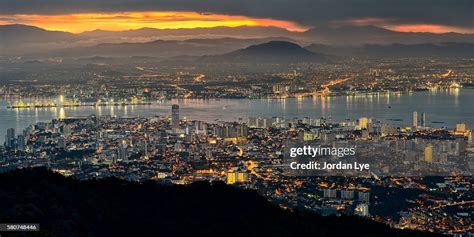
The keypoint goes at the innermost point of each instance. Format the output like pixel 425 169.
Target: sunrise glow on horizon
pixel 77 23
pixel 81 22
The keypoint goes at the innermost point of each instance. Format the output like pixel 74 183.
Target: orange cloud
pixel 134 20
pixel 428 28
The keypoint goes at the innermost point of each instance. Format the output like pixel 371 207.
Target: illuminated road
pixel 326 86
pixel 454 204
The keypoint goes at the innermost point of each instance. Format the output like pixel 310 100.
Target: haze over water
pixel 446 106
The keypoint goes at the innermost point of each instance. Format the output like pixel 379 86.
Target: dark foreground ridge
pixel 112 207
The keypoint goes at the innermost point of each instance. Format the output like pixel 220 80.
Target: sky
pixel 437 16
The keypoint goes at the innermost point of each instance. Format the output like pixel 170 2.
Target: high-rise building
pixel 429 153
pixel 11 132
pixel 315 122
pixel 307 136
pixel 363 122
pixel 231 130
pixel 461 127
pixel 362 209
pixel 10 138
pixel 260 122
pixel 329 193
pixel 242 177
pixel 145 148
pixel 347 194
pixel 252 122
pixel 66 131
pixel 61 142
pixel 237 176
pixel 363 196
pixel 231 177
pixel 21 142
pixel 175 116
pixel 278 88
pixel 415 120
pixel 423 119
pixel 122 151
pixel 242 130
pixel 200 128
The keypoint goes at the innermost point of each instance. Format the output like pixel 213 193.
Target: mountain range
pixel 165 48
pixel 180 34
pixel 30 40
pixel 360 35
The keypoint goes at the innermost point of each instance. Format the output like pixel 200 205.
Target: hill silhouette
pixel 270 52
pixel 17 33
pixel 113 207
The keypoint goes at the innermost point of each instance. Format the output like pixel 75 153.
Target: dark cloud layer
pixel 458 13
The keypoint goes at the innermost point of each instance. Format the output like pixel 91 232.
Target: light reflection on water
pixel 448 106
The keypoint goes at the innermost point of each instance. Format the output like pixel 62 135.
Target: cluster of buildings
pixel 155 83
pixel 250 154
